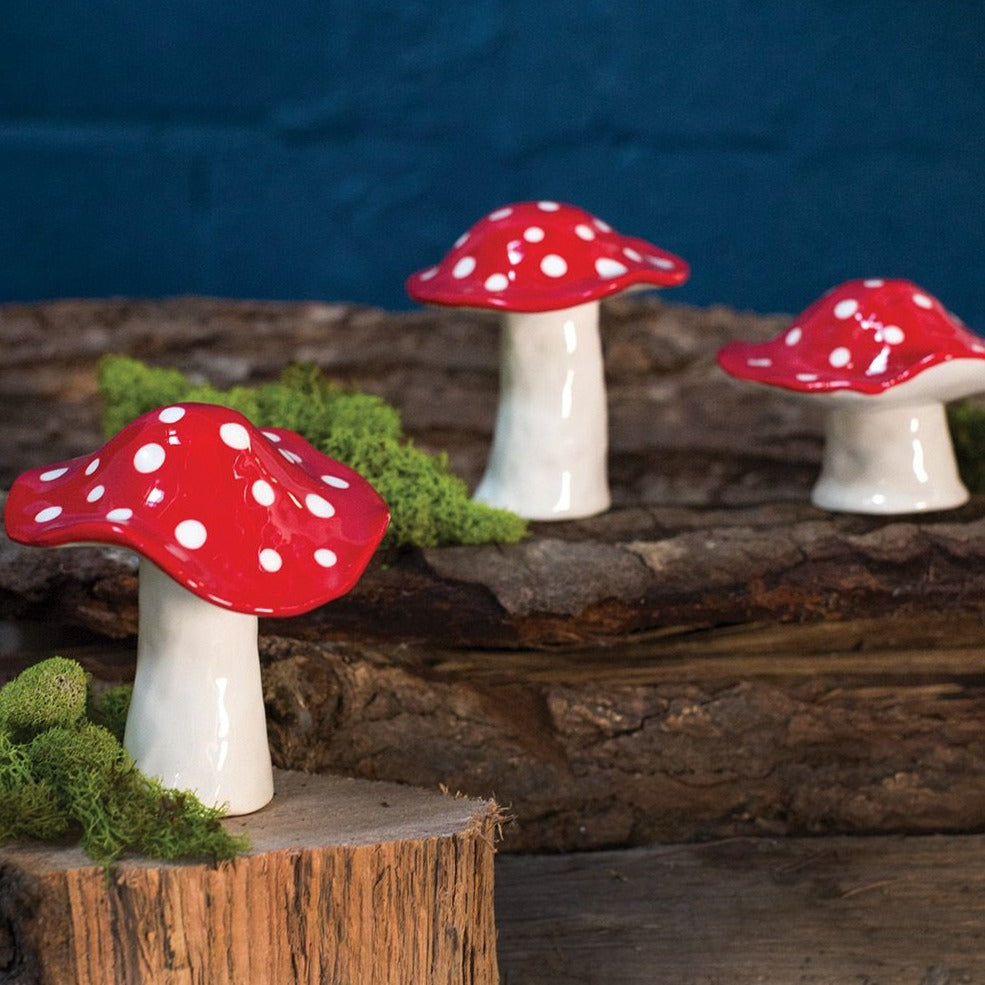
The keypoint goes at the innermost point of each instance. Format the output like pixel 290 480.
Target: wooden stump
pixel 348 882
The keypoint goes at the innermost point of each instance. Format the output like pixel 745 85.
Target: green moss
pixel 73 778
pixel 967 423
pixel 429 505
pixel 52 692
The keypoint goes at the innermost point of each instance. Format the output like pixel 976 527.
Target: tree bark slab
pixel 347 882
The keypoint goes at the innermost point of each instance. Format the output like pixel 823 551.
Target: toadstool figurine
pixel 884 356
pixel 231 523
pixel 546 266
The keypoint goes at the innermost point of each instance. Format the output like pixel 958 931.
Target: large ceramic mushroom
pixel 546 266
pixel 231 523
pixel 884 356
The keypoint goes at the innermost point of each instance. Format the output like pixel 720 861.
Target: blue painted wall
pixel 327 148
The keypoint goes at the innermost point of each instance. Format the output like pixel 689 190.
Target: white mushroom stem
pixel 549 453
pixel 888 458
pixel 197 719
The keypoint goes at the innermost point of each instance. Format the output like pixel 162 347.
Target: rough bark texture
pixel 711 658
pixel 347 882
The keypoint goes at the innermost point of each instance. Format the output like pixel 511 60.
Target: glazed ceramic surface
pixel 864 336
pixel 253 521
pixel 888 460
pixel 197 719
pixel 546 265
pixel 541 256
pixel 548 457
pixel 231 522
pixel 884 356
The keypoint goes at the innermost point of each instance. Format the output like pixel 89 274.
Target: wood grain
pixel 828 911
pixel 347 882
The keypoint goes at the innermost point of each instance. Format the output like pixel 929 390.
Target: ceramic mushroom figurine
pixel 230 523
pixel 884 356
pixel 546 266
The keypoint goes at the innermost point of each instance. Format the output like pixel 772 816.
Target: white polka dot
pixel 155 496
pixel 95 494
pixel 840 357
pixel 794 335
pixel 270 560
pixel 149 458
pixel 893 334
pixel 325 557
pixel 585 232
pixel 603 226
pixel 92 466
pixel 319 506
pixel 923 301
pixel 513 253
pixel 607 267
pixel 171 415
pixel 632 254
pixel 845 309
pixel 553 266
pixel 120 515
pixel 190 534
pixel 335 481
pixel 662 262
pixel 461 241
pixel 52 474
pixel 496 282
pixel 500 214
pixel 807 377
pixel 533 234
pixel 463 268
pixel 428 274
pixel 235 436
pixel 263 492
pixel 275 438
pixel 874 282
pixel 291 456
pixel 47 514
pixel 548 206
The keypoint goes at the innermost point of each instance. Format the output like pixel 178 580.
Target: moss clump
pixel 429 505
pixel 50 693
pixel 967 424
pixel 63 776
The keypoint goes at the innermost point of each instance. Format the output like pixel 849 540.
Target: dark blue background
pixel 327 148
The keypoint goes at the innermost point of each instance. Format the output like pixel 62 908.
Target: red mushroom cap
pixel 864 335
pixel 254 521
pixel 542 256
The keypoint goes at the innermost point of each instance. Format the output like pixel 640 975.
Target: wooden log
pixel 819 911
pixel 347 882
pixel 860 727
pixel 606 580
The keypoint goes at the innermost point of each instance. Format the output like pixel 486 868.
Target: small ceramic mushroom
pixel 884 356
pixel 231 523
pixel 546 266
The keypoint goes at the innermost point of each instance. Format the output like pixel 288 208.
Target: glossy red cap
pixel 254 521
pixel 543 256
pixel 864 335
